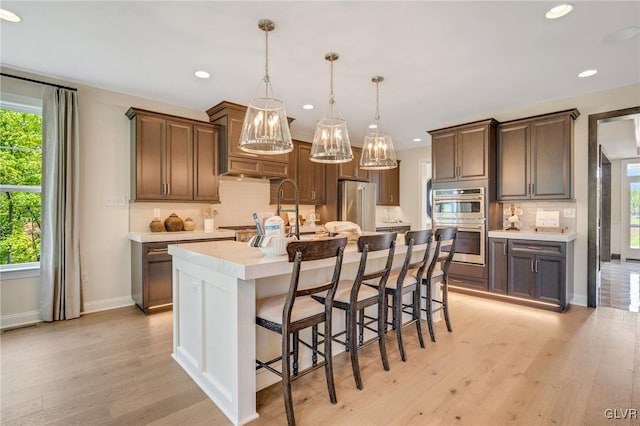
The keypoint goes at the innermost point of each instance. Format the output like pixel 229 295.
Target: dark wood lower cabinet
pixel 498 277
pixel 151 274
pixel 534 271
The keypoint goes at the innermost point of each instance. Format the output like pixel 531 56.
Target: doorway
pixel 595 181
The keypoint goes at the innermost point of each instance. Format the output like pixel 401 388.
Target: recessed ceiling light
pixel 558 11
pixel 588 73
pixel 202 74
pixel 9 16
pixel 622 35
pixel 417 140
pixel 373 126
pixel 307 106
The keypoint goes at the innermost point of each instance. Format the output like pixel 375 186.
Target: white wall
pixel 616 209
pixel 410 185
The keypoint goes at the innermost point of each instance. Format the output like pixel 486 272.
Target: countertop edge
pixel 152 237
pixel 535 236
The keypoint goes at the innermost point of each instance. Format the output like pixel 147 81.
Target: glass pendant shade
pixel 265 129
pixel 377 151
pixel 331 142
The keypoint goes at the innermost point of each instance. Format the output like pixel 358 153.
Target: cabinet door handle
pixel 168 189
pixel 158 251
pixel 531 265
pixel 391 197
pixel 536 266
pixel 504 250
pixel 282 193
pixel 535 248
pixel 533 188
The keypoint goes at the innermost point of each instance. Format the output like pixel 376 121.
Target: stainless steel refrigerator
pixel 358 203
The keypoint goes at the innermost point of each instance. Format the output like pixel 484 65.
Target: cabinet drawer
pixel 538 247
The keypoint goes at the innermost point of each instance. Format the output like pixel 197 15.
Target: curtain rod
pixel 38 81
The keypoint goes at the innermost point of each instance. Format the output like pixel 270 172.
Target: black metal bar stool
pixel 288 314
pixel 353 298
pixel 445 239
pixel 406 281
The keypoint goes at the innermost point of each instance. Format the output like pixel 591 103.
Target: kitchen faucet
pixel 297 201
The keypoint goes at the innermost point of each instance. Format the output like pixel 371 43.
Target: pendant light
pixel 331 140
pixel 377 151
pixel 265 129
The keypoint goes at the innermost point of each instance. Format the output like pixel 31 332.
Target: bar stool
pixel 288 314
pixel 445 248
pixel 406 281
pixel 353 298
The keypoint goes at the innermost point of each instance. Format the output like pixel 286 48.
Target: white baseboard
pixel 106 304
pixel 22 318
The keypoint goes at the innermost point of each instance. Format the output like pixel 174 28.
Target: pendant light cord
pixel 331 97
pixel 266 64
pixel 377 117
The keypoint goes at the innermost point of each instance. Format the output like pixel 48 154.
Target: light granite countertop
pixel 535 236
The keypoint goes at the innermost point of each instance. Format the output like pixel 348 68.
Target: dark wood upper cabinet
pixel 463 152
pixel 234 161
pixel 172 158
pixel 534 157
pixel 308 175
pixel 352 170
pixel 205 150
pixel 388 182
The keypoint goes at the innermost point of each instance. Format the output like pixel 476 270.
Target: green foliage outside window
pixel 20 164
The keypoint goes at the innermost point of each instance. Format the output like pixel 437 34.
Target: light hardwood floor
pixel 503 364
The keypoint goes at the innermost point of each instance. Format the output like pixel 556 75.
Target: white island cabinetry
pixel 215 287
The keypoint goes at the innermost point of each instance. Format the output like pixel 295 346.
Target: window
pixel 20 176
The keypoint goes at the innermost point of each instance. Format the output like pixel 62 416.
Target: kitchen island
pixel 215 287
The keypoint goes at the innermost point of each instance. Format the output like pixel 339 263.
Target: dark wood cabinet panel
pixel 443 152
pixel 179 161
pixel 513 165
pixel 205 148
pixel 463 152
pixel 163 166
pixel 352 170
pixel 388 186
pixel 534 157
pixel 234 161
pixel 551 158
pixel 550 284
pixel 473 153
pixel 308 175
pixel 147 141
pixel 498 277
pixel 522 278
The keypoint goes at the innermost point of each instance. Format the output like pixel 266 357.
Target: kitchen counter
pixel 155 237
pixel 535 236
pixel 215 339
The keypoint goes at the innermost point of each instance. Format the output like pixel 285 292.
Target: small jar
pixel 189 224
pixel 156 225
pixel 173 223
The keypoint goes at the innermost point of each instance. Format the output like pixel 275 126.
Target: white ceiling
pixel 620 138
pixel 444 63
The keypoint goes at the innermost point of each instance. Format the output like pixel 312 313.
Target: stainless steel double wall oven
pixel 465 209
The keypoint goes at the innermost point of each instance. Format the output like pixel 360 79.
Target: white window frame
pixel 27 269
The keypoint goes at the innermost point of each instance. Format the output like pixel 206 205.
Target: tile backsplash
pixel 240 198
pixel 566 209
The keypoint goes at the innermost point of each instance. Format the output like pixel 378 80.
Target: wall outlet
pixel 114 201
pixel 570 212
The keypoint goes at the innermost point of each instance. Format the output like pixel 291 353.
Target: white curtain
pixel 59 240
